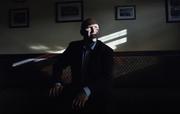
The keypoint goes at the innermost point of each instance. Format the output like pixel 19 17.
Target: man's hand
pixel 56 90
pixel 79 101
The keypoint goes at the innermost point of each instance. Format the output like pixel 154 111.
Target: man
pixel 91 64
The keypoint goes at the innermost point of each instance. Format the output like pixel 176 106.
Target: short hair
pixel 85 23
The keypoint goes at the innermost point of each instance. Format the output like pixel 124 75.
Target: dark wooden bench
pixel 142 82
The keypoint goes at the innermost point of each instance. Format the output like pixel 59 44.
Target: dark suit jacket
pixel 99 74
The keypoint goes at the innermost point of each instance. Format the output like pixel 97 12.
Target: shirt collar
pixel 92 45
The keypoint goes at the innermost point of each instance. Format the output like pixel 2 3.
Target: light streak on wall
pixel 111 40
pixel 39 47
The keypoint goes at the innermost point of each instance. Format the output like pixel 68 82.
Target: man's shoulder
pixel 104 46
pixel 76 42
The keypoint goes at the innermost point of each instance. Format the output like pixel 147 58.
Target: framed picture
pixel 125 12
pixel 172 10
pixel 70 11
pixel 19 18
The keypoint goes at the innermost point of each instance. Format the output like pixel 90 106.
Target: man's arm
pixel 62 62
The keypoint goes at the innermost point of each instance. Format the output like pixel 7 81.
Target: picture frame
pixel 172 11
pixel 69 11
pixel 19 18
pixel 125 12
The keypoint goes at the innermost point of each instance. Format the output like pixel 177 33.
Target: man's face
pixel 92 31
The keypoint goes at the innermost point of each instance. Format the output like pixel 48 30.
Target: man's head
pixel 89 29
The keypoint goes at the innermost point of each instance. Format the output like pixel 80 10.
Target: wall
pixel 148 32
